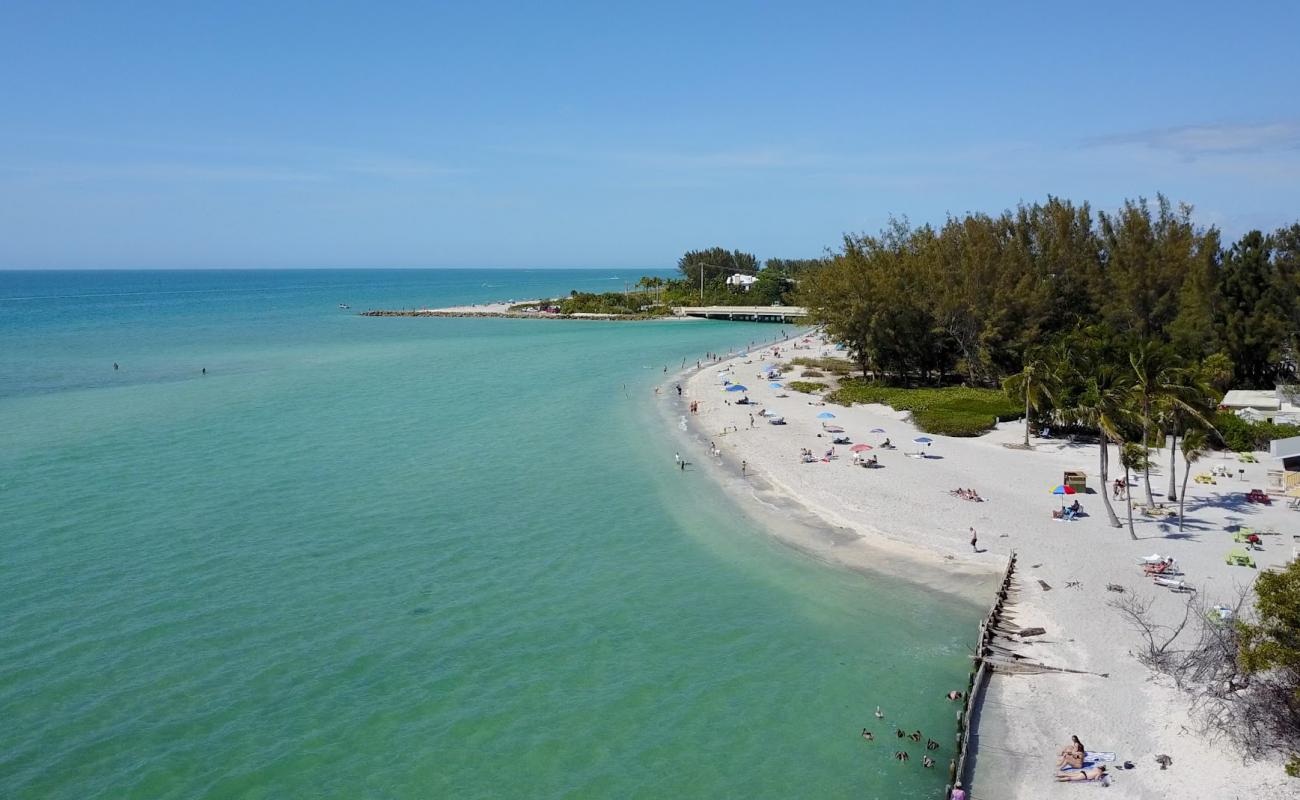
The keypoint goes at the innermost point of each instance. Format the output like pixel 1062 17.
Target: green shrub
pixel 808 387
pixel 812 373
pixel 949 411
pixel 1239 435
pixel 835 366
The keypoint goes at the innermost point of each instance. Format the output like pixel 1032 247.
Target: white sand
pixel 904 513
pixel 481 308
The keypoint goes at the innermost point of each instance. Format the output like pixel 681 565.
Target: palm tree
pixel 1195 445
pixel 1035 383
pixel 1134 457
pixel 1189 403
pixel 1104 405
pixel 1152 370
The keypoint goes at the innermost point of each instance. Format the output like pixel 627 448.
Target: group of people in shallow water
pixel 915 736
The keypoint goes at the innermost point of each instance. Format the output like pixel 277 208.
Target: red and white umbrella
pixel 860 448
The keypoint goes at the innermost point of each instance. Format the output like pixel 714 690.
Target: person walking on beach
pixel 973 540
pixel 679 390
pixel 744 466
pixel 751 420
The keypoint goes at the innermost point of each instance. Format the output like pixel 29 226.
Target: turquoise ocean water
pixel 411 558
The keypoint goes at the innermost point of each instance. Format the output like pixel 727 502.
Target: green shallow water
pixel 411 558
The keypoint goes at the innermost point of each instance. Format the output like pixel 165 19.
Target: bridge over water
pixel 788 314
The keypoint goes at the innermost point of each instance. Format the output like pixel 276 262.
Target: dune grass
pixel 948 411
pixel 807 387
pixel 835 366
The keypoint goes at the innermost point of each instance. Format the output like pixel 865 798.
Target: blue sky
pixel 330 134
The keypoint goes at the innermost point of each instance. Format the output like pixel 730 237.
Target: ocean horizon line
pixel 327 269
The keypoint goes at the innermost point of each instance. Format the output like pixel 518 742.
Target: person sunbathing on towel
pixel 1072 755
pixel 1158 568
pixel 1091 774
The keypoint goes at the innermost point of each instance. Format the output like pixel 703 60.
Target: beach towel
pixel 1091 759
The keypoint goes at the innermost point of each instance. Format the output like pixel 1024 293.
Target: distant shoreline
pixel 502 310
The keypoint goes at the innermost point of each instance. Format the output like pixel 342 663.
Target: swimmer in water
pixel 866 734
pixel 879 714
pixel 916 736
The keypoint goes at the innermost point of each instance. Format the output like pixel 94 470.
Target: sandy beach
pixel 902 518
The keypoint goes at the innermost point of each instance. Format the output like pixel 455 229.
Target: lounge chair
pixel 1239 558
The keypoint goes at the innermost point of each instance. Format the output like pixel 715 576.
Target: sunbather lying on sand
pixel 1091 774
pixel 1160 567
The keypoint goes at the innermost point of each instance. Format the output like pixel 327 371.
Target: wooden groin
pixel 979 675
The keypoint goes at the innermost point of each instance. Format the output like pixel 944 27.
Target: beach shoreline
pixel 816 531
pixel 901 520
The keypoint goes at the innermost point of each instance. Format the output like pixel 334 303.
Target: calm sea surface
pixel 410 558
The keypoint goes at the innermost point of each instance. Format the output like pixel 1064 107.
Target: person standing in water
pixel 114 365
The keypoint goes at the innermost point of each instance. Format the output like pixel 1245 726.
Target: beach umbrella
pixel 1063 490
pixel 860 448
pixel 736 387
pixel 877 430
pixel 826 415
pixel 923 440
pixel 775 385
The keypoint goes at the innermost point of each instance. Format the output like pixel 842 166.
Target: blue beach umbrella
pixel 826 415
pixel 923 440
pixel 736 387
pixel 877 430
pixel 1063 490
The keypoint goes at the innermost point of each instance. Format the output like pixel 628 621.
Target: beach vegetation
pixel 948 411
pixel 807 387
pixel 1035 383
pixel 974 296
pixel 1231 432
pixel 812 373
pixel 835 366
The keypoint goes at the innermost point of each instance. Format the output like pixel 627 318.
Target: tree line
pixel 970 298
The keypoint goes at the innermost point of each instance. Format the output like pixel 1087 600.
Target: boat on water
pixel 344 305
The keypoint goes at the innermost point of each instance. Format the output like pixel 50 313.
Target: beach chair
pixel 1248 538
pixel 1239 558
pixel 1258 496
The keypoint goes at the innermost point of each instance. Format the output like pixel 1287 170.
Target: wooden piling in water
pixel 958 770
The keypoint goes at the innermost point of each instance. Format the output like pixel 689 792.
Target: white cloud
pixel 1190 141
